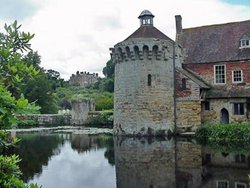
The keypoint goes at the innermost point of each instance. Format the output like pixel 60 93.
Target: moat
pixel 87 161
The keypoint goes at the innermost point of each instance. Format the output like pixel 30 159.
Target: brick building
pixel 163 85
pixel 219 55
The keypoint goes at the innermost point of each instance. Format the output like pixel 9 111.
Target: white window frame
pixel 240 183
pixel 241 72
pixel 243 43
pixel 225 74
pixel 225 181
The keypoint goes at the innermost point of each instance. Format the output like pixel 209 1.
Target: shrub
pixel 224 134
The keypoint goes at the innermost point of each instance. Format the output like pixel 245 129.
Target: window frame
pixel 238 113
pixel 244 43
pixel 233 76
pixel 240 183
pixel 224 181
pixel 225 74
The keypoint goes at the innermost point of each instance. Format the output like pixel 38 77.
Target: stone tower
pixel 144 85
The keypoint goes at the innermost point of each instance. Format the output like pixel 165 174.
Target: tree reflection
pixel 35 151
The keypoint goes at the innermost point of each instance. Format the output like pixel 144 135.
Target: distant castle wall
pixel 84 79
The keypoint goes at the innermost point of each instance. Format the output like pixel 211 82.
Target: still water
pixel 85 161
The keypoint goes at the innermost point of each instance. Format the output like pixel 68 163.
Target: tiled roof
pixel 148 31
pixel 215 43
pixel 232 93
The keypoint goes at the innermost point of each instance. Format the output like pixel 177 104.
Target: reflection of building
pixel 225 170
pixel 202 77
pixel 148 162
pixel 84 79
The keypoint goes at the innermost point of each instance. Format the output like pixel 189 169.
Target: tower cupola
pixel 146 18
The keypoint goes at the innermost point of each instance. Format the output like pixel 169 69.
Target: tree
pixel 39 90
pixel 33 58
pixel 13 71
pixel 109 69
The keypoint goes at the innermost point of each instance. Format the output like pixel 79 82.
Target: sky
pixel 75 35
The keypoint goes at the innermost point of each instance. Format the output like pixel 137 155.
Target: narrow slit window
pixel 149 80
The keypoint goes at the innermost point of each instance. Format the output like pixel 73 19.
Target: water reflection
pixel 76 161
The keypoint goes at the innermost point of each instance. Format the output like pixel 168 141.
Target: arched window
pixel 155 51
pixel 120 53
pixel 149 80
pixel 145 52
pixel 128 52
pixel 136 50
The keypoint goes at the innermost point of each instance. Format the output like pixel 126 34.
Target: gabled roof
pixel 148 31
pixel 194 78
pixel 215 43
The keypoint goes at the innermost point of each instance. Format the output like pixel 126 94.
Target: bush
pixel 103 119
pixel 224 134
pixel 10 173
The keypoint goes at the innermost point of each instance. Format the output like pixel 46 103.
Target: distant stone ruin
pixel 83 79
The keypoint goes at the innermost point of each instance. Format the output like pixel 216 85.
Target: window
pixel 205 105
pixel 183 83
pixel 244 43
pixel 222 184
pixel 239 109
pixel 220 74
pixel 237 76
pixel 149 80
pixel 240 185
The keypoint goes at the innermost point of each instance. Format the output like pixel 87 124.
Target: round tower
pixel 144 86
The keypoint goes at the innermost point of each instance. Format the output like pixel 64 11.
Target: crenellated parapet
pixel 142 49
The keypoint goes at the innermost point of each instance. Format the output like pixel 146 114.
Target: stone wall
pixel 84 79
pixel 213 115
pixel 141 107
pixel 188 105
pixel 188 115
pixel 48 119
pixel 80 111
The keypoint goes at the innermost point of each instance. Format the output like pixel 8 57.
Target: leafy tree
pixel 39 90
pixel 33 58
pixel 109 69
pixel 13 70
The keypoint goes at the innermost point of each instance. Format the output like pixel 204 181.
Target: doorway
pixel 224 116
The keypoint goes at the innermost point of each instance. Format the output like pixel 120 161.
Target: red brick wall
pixel 206 72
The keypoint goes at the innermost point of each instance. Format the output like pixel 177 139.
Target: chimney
pixel 178 22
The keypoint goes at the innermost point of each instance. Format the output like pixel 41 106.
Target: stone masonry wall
pixel 140 108
pixel 214 114
pixel 188 105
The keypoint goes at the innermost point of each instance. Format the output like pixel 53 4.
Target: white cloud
pixel 76 35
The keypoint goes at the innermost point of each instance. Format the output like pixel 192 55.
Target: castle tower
pixel 144 86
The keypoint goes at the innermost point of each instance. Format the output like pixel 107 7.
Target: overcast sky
pixel 73 35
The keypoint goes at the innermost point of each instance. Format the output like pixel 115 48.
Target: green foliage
pixel 9 107
pixel 102 100
pixel 40 91
pixel 10 173
pixel 237 135
pixel 109 69
pixel 103 119
pixel 13 70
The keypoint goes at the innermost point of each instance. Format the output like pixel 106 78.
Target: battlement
pixel 84 79
pixel 142 50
